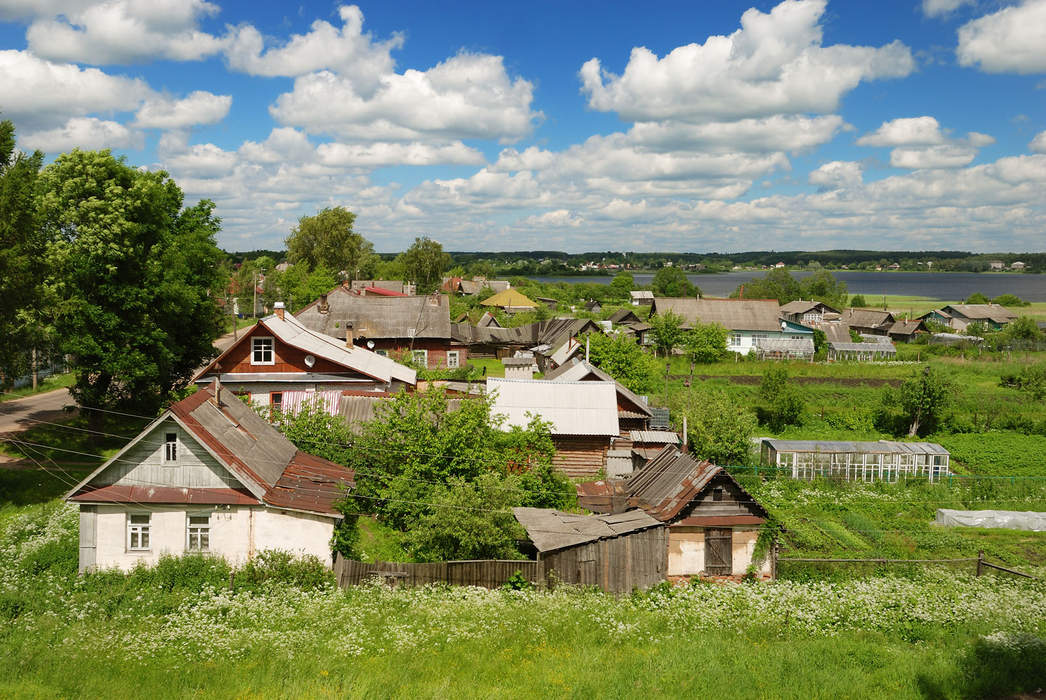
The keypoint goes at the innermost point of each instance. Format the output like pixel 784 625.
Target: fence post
pixel 980 562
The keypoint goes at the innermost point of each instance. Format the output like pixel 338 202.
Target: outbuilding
pixel 883 460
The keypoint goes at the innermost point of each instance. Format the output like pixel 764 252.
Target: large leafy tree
pixel 328 240
pixel 667 331
pixel 424 263
pixel 134 278
pixel 621 358
pixel 21 250
pixel 705 343
pixel 719 428
pixel 672 282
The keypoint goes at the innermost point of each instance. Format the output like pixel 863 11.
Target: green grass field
pixel 57 381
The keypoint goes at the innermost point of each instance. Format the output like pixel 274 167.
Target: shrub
pixel 1004 663
pixel 782 401
pixel 280 567
pixel 705 343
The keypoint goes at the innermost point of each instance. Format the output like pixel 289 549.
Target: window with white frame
pixel 198 533
pixel 734 339
pixel 453 358
pixel 170 448
pixel 421 358
pixel 138 526
pixel 262 351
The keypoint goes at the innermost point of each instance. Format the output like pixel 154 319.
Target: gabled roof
pixel 550 530
pixel 553 332
pixel 732 314
pixel 573 408
pixel 623 316
pixel 509 298
pixel 475 286
pixel 488 320
pixel 801 307
pixel 671 481
pixel 907 327
pixel 376 317
pixel 868 318
pixel 292 332
pixel 843 446
pixel 266 463
pixel 580 370
pixel 641 294
pixel 379 291
pixel 982 312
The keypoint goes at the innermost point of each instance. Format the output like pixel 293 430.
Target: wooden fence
pixel 979 560
pixel 488 573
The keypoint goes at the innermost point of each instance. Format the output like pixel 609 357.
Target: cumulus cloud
pixel 792 134
pixel 940 8
pixel 47 94
pixel 199 107
pixel 283 145
pixel 836 175
pixel 465 96
pixel 376 155
pixel 1038 144
pixel 348 52
pixel 1008 41
pixel 554 219
pixel 87 133
pixel 774 64
pixel 919 142
pixel 123 31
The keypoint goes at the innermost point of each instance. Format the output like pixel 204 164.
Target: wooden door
pixel 718 551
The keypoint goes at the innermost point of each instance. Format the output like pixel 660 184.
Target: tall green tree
pixel 667 332
pixel 328 240
pixel 672 282
pixel 782 401
pixel 424 263
pixel 823 286
pixel 21 251
pixel 777 284
pixel 719 428
pixel 923 399
pixel 705 343
pixel 621 358
pixel 135 279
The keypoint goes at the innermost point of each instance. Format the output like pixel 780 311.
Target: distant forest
pixel 552 262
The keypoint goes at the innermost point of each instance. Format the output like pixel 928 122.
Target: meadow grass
pixel 55 381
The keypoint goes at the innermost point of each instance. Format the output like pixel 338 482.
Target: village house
pixel 806 312
pixel 623 317
pixel 641 297
pixel 281 363
pixel 510 301
pixel 713 523
pixel 633 413
pixel 208 476
pixel 552 342
pixel 906 330
pixel 959 316
pixel 750 322
pixel 417 325
pixel 396 287
pixel 583 417
pixel 871 321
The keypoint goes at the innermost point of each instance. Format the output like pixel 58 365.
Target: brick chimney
pixel 348 335
pixel 279 309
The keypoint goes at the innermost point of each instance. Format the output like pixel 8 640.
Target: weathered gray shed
pixel 618 553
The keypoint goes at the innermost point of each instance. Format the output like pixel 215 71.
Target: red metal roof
pixel 378 291
pixel 311 483
pixel 116 493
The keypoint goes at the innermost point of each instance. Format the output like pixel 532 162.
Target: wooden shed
pixel 619 553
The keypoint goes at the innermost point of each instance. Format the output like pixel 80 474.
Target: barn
pixel 619 552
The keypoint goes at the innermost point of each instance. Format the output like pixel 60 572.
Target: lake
pixel 948 286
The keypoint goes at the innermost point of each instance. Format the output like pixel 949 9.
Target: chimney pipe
pixel 279 309
pixel 348 335
pixel 217 393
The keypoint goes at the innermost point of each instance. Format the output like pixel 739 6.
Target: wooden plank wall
pixel 580 456
pixel 617 565
pixel 488 573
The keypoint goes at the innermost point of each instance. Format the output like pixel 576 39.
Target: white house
pixel 209 475
pixel 750 322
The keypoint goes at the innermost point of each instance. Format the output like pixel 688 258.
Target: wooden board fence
pixel 488 573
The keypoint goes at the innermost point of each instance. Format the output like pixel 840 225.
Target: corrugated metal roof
pixel 732 314
pixel 378 317
pixel 663 437
pixel 642 294
pixel 580 370
pixel 801 306
pixel 550 530
pixel 622 316
pixel 843 446
pixel 573 408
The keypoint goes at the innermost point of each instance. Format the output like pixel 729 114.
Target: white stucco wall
pixel 236 533
pixel 748 339
pixel 686 551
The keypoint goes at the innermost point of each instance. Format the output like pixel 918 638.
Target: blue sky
pixel 675 126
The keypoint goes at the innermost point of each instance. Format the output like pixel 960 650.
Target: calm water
pixel 950 286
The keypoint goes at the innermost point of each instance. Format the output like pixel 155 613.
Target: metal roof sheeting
pixel 580 370
pixel 732 314
pixel 873 348
pixel 843 446
pixel 553 529
pixel 573 408
pixel 379 317
pixel 662 437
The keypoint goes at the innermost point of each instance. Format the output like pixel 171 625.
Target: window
pixel 262 351
pixel 383 353
pixel 138 532
pixel 276 401
pixel 717 493
pixel 453 358
pixel 170 447
pixel 198 536
pixel 421 357
pixel 735 340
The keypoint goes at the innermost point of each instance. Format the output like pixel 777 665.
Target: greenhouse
pixel 856 461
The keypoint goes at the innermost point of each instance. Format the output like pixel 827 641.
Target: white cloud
pixel 201 160
pixel 199 107
pixel 836 175
pixel 944 156
pixel 940 8
pixel 123 31
pixel 45 94
pixel 1008 41
pixel 283 145
pixel 793 134
pixel 86 133
pixel 774 64
pixel 554 219
pixel 1038 144
pixel 465 96
pixel 915 131
pixel 376 155
pixel 348 51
